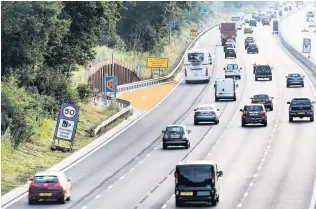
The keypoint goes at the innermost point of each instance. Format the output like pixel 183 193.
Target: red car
pixel 50 186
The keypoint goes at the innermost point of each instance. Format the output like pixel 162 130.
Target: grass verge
pixel 18 165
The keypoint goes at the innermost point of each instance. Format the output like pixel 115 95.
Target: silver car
pixel 206 113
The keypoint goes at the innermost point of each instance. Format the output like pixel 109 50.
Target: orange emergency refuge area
pixel 147 98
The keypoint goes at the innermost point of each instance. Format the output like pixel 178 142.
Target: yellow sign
pixel 194 33
pixel 194 28
pixel 153 62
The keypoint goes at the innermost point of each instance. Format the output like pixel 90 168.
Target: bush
pixel 85 92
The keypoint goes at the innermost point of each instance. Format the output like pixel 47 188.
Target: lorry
pixel 228 31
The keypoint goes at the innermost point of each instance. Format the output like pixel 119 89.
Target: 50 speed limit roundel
pixel 69 111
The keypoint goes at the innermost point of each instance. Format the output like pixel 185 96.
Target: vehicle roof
pixel 261 94
pixel 206 105
pixel 254 105
pixel 197 162
pixel 197 51
pixel 294 74
pixel 175 125
pixel 249 37
pixel 301 98
pixel 49 173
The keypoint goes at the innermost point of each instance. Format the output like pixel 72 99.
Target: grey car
pixel 294 79
pixel 254 114
pixel 176 135
pixel 206 113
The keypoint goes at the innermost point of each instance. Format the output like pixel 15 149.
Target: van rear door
pixel 225 88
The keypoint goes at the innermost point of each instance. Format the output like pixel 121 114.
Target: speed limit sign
pixel 69 111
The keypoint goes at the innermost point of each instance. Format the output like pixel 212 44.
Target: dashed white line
pixel 164 206
pixel 121 177
pixel 140 162
pixel 132 169
pixel 239 205
pixel 84 207
pixel 109 187
pixel 97 196
pixel 148 154
pixel 246 194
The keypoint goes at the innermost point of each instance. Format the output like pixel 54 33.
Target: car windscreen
pixel 254 108
pixel 301 102
pixel 205 108
pixel 253 21
pixel 252 45
pixel 263 69
pixel 235 18
pixel 261 96
pixel 232 67
pixel 46 179
pixel 195 175
pixel 195 57
pixel 294 76
pixel 175 129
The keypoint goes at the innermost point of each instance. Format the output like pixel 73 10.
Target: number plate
pixel 301 113
pixel 174 137
pixel 45 194
pixel 203 193
pixel 186 193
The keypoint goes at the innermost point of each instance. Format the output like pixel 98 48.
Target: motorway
pixel 292 27
pixel 264 167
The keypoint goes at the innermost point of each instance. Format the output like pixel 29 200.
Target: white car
pixel 311 25
pixel 232 71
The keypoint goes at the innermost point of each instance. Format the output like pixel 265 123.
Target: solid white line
pixel 132 169
pixel 110 186
pixel 313 200
pixel 97 196
pixel 84 207
pixel 121 177
pixel 164 206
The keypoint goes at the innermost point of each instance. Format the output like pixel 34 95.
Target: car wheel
pixel 207 81
pixel 265 123
pixel 179 203
pixel 187 82
pixel 31 201
pixel 164 146
pixel 287 85
pixel 187 145
pixel 217 121
pixel 234 98
pixel 217 199
pixel 270 79
pixel 196 122
pixel 243 124
pixel 213 202
pixel 216 99
pixel 225 56
pixel 235 56
pixel 303 85
pixel 62 200
pixel 271 108
pixel 247 52
pixel 290 119
pixel 312 119
pixel 256 79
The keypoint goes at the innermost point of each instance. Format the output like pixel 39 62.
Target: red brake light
pixel 185 72
pixel 206 72
pixel 176 177
pixel 32 184
pixel 213 180
pixel 213 112
pixel 60 186
pixel 262 113
pixel 269 100
pixel 253 101
pixel 312 108
pixel 244 113
pixel 165 137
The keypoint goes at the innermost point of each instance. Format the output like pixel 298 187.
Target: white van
pixel 232 71
pixel 238 21
pixel 198 65
pixel 225 88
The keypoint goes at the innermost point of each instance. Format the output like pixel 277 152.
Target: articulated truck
pixel 228 31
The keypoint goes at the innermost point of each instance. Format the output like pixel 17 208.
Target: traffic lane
pixel 292 27
pixel 292 153
pixel 105 166
pixel 148 175
pixel 231 141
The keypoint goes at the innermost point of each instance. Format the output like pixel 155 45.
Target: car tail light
pixel 253 101
pixel 213 179
pixel 206 72
pixel 262 113
pixel 244 113
pixel 59 185
pixel 185 72
pixel 165 137
pixel 312 108
pixel 176 177
pixel 269 100
pixel 212 112
pixel 32 185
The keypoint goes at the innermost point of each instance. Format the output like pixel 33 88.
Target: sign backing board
pixel 109 84
pixel 154 62
pixel 307 45
pixel 67 122
pixel 172 24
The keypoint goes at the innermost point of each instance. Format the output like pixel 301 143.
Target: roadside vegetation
pixel 47 45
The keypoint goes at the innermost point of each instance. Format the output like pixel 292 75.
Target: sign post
pixel 66 126
pixel 204 12
pixel 153 62
pixel 307 46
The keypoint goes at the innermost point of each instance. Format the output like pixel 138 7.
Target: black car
pixel 252 47
pixel 230 52
pixel 263 72
pixel 294 79
pixel 248 40
pixel 265 21
pixel 264 99
pixel 254 114
pixel 197 181
pixel 300 108
pixel 176 135
pixel 248 30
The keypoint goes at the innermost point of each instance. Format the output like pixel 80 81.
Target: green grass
pixel 18 165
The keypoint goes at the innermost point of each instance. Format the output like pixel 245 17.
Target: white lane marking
pixel 164 206
pixel 121 177
pixel 84 207
pixel 132 169
pixel 148 154
pixel 140 162
pixel 97 196
pixel 313 200
pixel 109 187
pixel 239 205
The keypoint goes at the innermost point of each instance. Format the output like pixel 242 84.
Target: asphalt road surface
pixel 292 27
pixel 269 167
